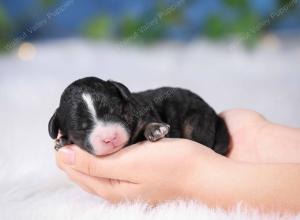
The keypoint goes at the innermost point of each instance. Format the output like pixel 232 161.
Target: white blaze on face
pixel 90 105
pixel 106 137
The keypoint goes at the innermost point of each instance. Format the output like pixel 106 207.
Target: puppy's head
pixel 95 115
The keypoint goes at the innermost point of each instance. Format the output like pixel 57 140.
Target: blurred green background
pixel 145 21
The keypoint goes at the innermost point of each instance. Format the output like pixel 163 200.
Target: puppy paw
pixel 156 131
pixel 60 142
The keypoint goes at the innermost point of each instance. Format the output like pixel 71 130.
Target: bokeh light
pixel 27 51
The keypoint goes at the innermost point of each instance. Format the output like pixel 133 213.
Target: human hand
pixel 178 168
pixel 151 172
pixel 244 127
pixel 255 139
pixel 158 171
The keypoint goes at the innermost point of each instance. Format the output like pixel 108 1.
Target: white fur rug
pixel 31 186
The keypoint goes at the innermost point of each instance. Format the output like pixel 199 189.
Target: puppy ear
pixel 123 90
pixel 53 126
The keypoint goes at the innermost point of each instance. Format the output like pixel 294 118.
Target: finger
pixel 108 189
pixel 68 171
pixel 83 187
pixel 114 166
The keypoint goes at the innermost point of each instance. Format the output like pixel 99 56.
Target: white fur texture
pixel 32 187
pixel 90 105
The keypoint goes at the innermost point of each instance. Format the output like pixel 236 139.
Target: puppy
pixel 101 117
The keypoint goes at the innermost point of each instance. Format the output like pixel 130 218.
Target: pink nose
pixel 110 140
pixel 106 139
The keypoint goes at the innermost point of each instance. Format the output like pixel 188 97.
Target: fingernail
pixel 68 155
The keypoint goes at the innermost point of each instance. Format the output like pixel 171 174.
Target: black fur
pixel 153 114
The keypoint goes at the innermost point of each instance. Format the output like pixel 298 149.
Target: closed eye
pixel 78 130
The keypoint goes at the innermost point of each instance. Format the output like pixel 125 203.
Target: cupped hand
pixel 151 172
pixel 164 170
pixel 179 168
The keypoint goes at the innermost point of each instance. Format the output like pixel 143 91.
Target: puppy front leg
pixel 155 131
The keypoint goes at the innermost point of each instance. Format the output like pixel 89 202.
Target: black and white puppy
pixel 101 117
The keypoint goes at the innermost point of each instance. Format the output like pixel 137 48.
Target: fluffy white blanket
pixel 31 187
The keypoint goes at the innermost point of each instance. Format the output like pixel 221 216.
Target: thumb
pixel 114 166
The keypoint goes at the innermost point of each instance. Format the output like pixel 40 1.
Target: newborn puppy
pixel 101 117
